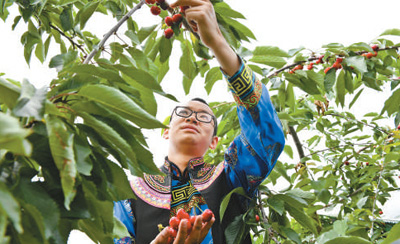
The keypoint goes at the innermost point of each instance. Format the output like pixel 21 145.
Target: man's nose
pixel 192 118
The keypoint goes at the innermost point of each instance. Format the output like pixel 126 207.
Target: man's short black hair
pixel 197 99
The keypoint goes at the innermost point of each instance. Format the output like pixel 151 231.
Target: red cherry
pixel 169 21
pixel 182 214
pixel 327 69
pixel 375 53
pixel 168 33
pixel 337 65
pixel 155 10
pixel 367 163
pixel 298 67
pixel 375 47
pixel 150 1
pixel 369 55
pixel 310 66
pixel 207 215
pixel 257 218
pixel 291 72
pixel 346 163
pixel 177 18
pixel 318 61
pixel 398 127
pixel 381 212
pixel 339 60
pixel 174 222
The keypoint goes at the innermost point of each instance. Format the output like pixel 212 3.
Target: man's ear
pixel 165 134
pixel 214 142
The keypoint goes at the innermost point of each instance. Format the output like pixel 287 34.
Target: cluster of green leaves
pixel 347 164
pixel 63 150
pixel 56 145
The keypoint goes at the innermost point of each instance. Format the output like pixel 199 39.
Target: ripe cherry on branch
pixel 155 10
pixel 168 33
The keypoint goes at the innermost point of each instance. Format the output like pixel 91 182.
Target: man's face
pixel 190 131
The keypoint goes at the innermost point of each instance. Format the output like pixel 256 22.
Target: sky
pixel 285 23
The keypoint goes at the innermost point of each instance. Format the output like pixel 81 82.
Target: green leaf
pixel 62 149
pixel 392 104
pixel 362 202
pixel 61 61
pixel 31 101
pixel 213 75
pixel 145 32
pixel 114 140
pixel 225 10
pixel 348 79
pixel 227 198
pixel 82 151
pixel 393 235
pixel 340 89
pixel 33 194
pixel 236 230
pixel 329 80
pixel 66 19
pixel 89 69
pixel 9 93
pixel 186 64
pixel 301 217
pixel 141 76
pixel 10 206
pixel 239 27
pixel 121 104
pixel 391 32
pixel 324 195
pixel 119 230
pixel 358 63
pixel 273 61
pixel 292 235
pixel 270 50
pixel 165 49
pixel 12 136
pixel 86 12
pixel 348 240
pixel 276 204
pixel 356 97
pixel 288 150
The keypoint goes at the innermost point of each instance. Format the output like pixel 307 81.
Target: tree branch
pixel 297 142
pixel 315 58
pixel 112 31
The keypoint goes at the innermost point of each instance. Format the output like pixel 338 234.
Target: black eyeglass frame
pixel 212 116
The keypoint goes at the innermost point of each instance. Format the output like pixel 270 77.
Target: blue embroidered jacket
pixel 248 161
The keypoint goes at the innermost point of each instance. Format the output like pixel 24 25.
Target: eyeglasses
pixel 201 116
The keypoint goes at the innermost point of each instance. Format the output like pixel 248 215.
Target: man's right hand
pixel 196 236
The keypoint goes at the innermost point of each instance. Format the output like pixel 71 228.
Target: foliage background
pixel 314 23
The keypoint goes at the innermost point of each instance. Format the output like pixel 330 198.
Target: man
pixel 190 183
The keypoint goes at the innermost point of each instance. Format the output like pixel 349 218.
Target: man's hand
pixel 195 236
pixel 201 16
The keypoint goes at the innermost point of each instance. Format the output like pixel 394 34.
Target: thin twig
pixel 112 31
pixel 74 44
pixel 360 122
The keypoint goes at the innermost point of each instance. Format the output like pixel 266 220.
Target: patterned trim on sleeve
pixel 252 99
pixel 242 82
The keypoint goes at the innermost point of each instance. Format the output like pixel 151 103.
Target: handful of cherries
pixel 175 221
